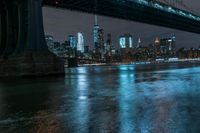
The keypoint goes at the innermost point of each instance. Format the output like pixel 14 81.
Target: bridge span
pixel 146 11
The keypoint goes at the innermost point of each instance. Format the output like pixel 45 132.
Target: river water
pixel 104 99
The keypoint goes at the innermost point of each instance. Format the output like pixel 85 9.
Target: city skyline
pixel 65 71
pixel 56 19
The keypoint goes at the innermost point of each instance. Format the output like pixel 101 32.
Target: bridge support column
pixel 3 31
pixel 11 28
pixel 23 28
pixel 26 50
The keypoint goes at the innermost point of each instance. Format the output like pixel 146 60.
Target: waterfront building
pixel 50 42
pixel 56 44
pixel 86 49
pixel 107 48
pixel 95 32
pixel 126 41
pixel 80 42
pixel 57 47
pixel 108 44
pixel 126 47
pixel 157 46
pixel 167 46
pixel 72 40
pixel 99 45
pixel 101 40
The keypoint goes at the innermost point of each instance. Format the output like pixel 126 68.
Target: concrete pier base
pixel 31 64
pixel 23 50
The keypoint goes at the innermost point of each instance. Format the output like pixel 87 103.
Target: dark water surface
pixel 104 99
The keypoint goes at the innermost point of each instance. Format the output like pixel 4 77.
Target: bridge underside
pixel 23 50
pixel 129 10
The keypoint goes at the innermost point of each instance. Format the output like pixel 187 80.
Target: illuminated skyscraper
pixel 80 43
pixel 126 46
pixel 126 41
pixel 157 46
pixel 122 42
pixel 101 38
pixel 165 46
pixel 73 41
pixel 95 31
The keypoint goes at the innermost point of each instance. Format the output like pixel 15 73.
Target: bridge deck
pixel 135 10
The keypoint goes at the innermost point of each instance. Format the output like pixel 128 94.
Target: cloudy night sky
pixel 60 23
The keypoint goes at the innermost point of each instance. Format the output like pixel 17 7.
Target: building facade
pixel 50 42
pixel 73 41
pixel 80 42
pixel 126 41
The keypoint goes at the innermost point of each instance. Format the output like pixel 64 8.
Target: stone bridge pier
pixel 23 50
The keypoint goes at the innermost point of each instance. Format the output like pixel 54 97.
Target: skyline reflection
pixel 106 99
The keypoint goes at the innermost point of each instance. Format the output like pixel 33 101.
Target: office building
pixel 50 42
pixel 95 32
pixel 126 41
pixel 80 43
pixel 165 46
pixel 73 41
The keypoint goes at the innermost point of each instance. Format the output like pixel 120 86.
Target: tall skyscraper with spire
pixel 95 32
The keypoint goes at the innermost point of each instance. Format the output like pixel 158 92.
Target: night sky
pixel 60 23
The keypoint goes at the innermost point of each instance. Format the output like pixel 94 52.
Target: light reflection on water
pixel 122 99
